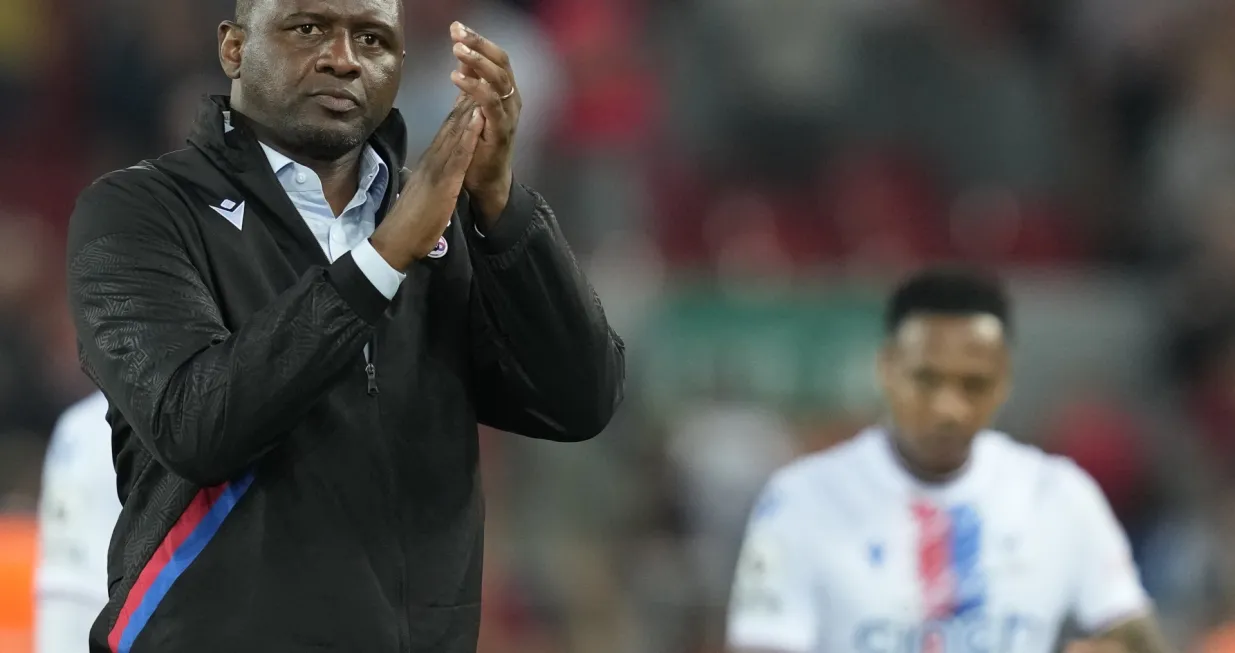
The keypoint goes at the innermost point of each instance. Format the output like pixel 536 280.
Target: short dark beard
pixel 320 144
pixel 280 122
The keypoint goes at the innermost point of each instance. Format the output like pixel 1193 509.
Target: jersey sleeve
pixel 1108 587
pixel 77 511
pixel 772 606
pixel 63 625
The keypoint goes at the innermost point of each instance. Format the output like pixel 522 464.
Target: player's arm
pixel 772 607
pixel 1139 635
pixel 1109 603
pixel 547 364
pixel 207 401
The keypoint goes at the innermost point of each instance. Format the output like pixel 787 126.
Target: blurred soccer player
pixel 933 533
pixel 77 512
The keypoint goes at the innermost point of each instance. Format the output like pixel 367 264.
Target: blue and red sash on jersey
pixel 949 565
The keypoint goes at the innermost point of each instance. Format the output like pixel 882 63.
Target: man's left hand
pixel 485 75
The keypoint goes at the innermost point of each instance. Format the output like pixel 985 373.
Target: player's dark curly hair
pixel 948 290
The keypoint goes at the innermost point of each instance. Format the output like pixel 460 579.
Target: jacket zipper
pixel 370 369
pixel 405 636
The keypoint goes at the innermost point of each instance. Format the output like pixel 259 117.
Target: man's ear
pixel 231 46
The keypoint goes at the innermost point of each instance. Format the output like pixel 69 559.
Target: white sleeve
pixel 62 624
pixel 772 606
pixel 379 273
pixel 78 509
pixel 1108 587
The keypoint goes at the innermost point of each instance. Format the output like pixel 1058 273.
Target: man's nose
pixel 951 405
pixel 338 58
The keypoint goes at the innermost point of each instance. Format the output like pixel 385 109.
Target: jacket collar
pixel 226 138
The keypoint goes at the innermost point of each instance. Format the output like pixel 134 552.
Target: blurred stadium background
pixel 744 180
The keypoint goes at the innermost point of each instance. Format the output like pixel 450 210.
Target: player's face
pixel 944 378
pixel 320 74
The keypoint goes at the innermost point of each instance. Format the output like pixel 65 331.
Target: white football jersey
pixel 846 551
pixel 78 509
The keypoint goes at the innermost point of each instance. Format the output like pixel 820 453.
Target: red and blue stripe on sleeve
pixel 196 526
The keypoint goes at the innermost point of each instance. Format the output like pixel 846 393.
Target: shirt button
pixel 300 178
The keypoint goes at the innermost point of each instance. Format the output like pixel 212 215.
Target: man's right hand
pixel 418 219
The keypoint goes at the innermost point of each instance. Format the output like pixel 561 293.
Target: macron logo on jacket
pixel 232 211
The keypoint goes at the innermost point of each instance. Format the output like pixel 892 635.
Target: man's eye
pixel 370 40
pixel 926 379
pixel 977 386
pixel 308 29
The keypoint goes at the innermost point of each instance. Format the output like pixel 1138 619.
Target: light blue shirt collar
pixel 296 178
pixel 374 174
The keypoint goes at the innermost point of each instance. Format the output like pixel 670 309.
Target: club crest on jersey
pixel 439 250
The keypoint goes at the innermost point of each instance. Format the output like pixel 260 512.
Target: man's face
pixel 320 75
pixel 945 378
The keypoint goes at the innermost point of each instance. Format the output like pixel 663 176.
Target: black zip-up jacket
pixel 280 495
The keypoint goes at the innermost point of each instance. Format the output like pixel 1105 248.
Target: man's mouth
pixel 337 101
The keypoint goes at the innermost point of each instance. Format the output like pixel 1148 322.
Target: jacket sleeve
pixel 547 364
pixel 207 401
